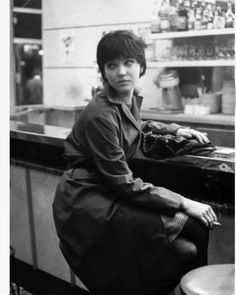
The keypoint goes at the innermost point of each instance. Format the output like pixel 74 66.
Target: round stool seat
pixel 216 279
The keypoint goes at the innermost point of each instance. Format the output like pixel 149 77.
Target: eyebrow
pixel 118 59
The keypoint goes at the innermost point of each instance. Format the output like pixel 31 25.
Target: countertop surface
pixel 55 136
pixel 39 133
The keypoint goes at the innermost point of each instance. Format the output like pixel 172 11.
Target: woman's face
pixel 123 75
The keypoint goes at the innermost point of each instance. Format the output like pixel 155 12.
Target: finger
pixel 201 137
pixel 213 214
pixel 204 220
pixel 187 134
pixel 194 133
pixel 209 219
pixel 198 134
pixel 198 137
pixel 204 137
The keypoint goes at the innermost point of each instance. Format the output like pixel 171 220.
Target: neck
pixel 127 99
pixel 121 97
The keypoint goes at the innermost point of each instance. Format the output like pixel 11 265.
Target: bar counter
pixel 36 155
pixel 220 127
pixel 54 136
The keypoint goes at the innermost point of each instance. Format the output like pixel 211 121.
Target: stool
pixel 216 279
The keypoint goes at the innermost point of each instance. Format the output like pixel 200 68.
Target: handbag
pixel 163 146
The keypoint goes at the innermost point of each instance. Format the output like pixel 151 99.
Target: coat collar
pixel 133 114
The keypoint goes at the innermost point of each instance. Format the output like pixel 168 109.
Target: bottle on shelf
pixel 191 20
pixel 155 19
pixel 187 5
pixel 198 19
pixel 221 24
pixel 164 16
pixel 229 16
pixel 204 19
pixel 182 24
pixel 145 34
pixel 216 19
pixel 210 16
pixel 173 17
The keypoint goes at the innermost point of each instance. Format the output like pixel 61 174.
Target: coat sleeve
pixel 105 150
pixel 160 128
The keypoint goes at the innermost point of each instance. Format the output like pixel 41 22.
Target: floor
pixel 24 292
pixel 36 282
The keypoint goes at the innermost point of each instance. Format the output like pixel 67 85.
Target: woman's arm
pixel 160 128
pixel 189 133
pixel 200 211
pixel 105 151
pixel 174 129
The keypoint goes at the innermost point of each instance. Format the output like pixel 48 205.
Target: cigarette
pixel 217 223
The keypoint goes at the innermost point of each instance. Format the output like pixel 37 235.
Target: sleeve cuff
pixel 181 205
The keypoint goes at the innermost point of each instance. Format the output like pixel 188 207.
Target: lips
pixel 123 82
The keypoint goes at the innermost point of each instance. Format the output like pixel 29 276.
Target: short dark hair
pixel 121 43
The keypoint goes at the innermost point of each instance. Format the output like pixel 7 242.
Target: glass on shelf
pixel 200 52
pixel 209 51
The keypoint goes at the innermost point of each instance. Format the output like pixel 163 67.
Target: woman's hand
pixel 201 211
pixel 189 133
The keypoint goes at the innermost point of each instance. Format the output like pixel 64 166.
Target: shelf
pixel 193 33
pixel 191 63
pixel 27 10
pixel 27 41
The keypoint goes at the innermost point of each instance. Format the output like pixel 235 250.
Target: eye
pixel 129 62
pixel 111 65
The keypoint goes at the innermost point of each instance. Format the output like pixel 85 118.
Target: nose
pixel 121 70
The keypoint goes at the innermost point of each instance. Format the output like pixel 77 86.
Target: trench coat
pixel 107 221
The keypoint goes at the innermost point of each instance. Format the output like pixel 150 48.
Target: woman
pixel 119 234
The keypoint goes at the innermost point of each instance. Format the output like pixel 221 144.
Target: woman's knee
pixel 195 230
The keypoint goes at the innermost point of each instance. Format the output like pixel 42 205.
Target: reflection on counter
pixel 39 133
pixel 49 115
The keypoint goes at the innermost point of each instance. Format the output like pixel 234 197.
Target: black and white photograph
pixel 121 147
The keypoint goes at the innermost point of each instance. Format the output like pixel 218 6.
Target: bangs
pixel 119 47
